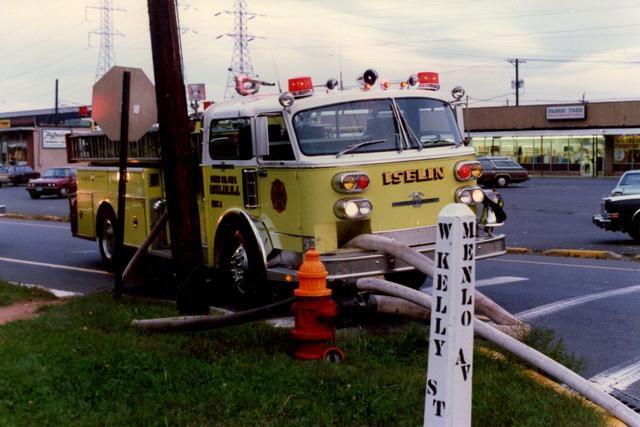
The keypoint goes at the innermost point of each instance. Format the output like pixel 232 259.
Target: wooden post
pixel 448 393
pixel 122 182
pixel 184 223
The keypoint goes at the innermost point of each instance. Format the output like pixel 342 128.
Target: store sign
pixel 5 124
pixel 53 138
pixel 567 112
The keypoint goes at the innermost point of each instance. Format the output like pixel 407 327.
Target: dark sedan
pixel 58 181
pixel 21 174
pixel 620 213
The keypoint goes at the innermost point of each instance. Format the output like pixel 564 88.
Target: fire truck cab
pixel 316 169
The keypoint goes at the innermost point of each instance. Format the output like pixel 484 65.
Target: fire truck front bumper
pixel 349 263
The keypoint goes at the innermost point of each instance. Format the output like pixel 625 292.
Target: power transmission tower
pixel 518 82
pixel 107 56
pixel 240 60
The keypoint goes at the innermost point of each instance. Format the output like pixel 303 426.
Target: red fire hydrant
pixel 314 312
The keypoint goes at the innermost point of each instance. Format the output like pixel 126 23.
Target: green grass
pixel 81 364
pixel 11 294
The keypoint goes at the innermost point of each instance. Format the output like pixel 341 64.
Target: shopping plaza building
pixel 37 137
pixel 589 139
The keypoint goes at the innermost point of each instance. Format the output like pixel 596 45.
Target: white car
pixel 629 183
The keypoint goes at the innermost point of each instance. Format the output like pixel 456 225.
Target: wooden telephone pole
pixel 177 161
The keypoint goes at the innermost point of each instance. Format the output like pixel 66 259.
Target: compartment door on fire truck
pixel 278 184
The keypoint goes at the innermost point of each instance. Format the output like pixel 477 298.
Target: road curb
pixel 572 253
pixel 582 253
pixel 518 250
pixel 54 218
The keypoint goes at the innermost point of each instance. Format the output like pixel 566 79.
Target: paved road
pixel 590 304
pixel 17 200
pixel 549 213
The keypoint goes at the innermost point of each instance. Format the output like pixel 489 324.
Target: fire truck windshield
pixel 353 127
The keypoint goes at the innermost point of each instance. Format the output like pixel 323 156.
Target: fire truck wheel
pixel 241 266
pixel 107 237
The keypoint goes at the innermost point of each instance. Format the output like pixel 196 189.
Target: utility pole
pixel 517 84
pixel 177 160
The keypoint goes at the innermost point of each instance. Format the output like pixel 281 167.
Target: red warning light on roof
pixel 428 80
pixel 301 86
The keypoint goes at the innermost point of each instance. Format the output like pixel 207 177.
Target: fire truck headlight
pixel 352 208
pixel 469 195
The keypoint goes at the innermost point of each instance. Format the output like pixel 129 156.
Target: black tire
pixel 34 195
pixel 240 265
pixel 107 237
pixel 634 230
pixel 413 279
pixel 502 181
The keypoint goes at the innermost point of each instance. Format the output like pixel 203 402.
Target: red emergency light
pixel 83 111
pixel 428 80
pixel 301 86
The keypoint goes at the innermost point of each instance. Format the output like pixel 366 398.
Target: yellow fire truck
pixel 308 168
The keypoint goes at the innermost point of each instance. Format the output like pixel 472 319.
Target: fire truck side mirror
pixel 260 137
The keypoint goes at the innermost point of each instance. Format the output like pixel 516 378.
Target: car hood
pixel 47 180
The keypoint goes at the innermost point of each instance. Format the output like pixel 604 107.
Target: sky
pixel 570 50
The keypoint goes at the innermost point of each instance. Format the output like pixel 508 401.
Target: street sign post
pixel 448 393
pixel 124 105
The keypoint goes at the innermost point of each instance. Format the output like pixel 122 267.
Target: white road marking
pixel 57 292
pixel 58 266
pixel 558 264
pixel 557 306
pixel 621 376
pixel 498 280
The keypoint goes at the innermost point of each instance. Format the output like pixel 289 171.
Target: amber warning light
pixel 301 86
pixel 428 80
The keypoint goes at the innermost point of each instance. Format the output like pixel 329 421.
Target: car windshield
pixel 371 126
pixel 630 179
pixel 56 173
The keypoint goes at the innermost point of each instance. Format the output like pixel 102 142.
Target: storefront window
pixel 626 151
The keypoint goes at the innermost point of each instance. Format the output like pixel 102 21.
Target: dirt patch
pixel 23 310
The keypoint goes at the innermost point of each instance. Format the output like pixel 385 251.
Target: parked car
pixel 4 175
pixel 21 174
pixel 629 183
pixel 620 213
pixel 501 171
pixel 59 181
